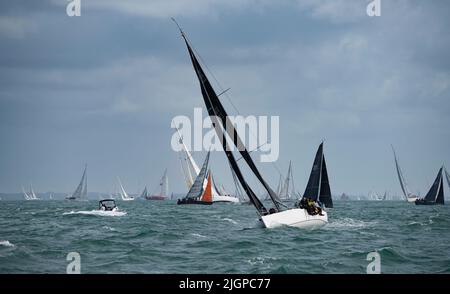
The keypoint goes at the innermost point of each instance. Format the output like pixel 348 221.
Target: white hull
pixel 295 217
pixel 219 198
pixel 127 199
pixel 411 199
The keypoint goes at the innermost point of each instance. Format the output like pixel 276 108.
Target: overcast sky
pixel 102 88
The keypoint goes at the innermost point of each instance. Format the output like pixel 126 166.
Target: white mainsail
pixel 408 196
pixel 287 189
pixel 123 193
pixel 81 190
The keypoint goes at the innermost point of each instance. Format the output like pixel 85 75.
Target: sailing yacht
pixel 30 195
pixel 286 188
pixel 145 193
pixel 81 191
pixel 279 214
pixel 409 197
pixel 318 187
pixel 164 185
pixel 436 193
pixel 198 194
pixel 188 164
pixel 123 194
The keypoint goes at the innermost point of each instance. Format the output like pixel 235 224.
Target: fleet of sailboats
pixel 189 168
pixel 309 210
pixel 198 193
pixel 30 195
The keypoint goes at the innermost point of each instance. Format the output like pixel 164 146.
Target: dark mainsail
pixel 325 192
pixel 436 192
pixel 318 187
pixel 144 193
pixel 197 188
pixel 223 126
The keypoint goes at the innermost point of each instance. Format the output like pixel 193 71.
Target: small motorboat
pixel 107 205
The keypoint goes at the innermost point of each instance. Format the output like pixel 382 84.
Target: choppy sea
pixel 162 237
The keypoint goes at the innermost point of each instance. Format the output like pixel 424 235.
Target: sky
pixel 102 89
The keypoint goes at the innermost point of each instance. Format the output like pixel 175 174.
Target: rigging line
pixel 218 83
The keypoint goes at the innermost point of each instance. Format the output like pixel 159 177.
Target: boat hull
pixel 218 198
pixel 424 202
pixel 296 217
pixel 411 199
pixel 184 202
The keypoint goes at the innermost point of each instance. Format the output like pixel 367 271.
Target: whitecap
pixel 6 243
pixel 230 220
pixel 198 235
pixel 97 212
pixel 108 228
pixel 349 223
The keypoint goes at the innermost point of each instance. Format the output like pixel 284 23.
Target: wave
pixel 198 235
pixel 349 223
pixel 230 220
pixel 108 228
pixel 97 212
pixel 6 243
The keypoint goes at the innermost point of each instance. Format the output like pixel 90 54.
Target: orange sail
pixel 207 194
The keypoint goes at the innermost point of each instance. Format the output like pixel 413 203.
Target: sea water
pixel 162 237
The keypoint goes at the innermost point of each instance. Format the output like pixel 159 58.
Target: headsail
pixel 207 193
pixel 318 187
pixel 436 192
pixel 220 119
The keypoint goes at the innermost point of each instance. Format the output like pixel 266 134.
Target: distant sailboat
pixel 188 164
pixel 30 195
pixel 436 193
pixel 197 193
pixel 123 194
pixel 164 189
pixel 276 216
pixel 81 191
pixel 287 189
pixel 408 196
pixel 318 187
pixel 145 193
